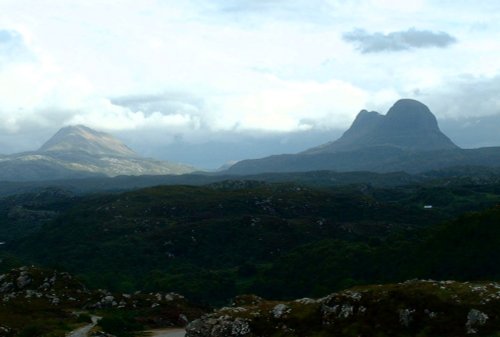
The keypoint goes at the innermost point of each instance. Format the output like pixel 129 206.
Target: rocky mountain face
pixel 80 138
pixel 408 124
pixel 77 152
pixel 412 308
pixel 407 139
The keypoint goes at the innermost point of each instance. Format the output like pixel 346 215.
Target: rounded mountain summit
pixel 408 125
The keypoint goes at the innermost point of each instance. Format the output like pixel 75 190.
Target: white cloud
pixel 104 114
pixel 402 6
pixel 289 106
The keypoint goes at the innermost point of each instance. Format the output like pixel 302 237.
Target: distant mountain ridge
pixel 79 152
pixel 407 139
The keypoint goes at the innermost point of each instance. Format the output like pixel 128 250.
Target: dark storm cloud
pixel 397 41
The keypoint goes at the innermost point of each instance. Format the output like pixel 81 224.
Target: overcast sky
pixel 180 79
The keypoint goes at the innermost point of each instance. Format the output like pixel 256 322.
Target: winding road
pixel 83 331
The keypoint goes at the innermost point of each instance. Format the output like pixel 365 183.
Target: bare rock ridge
pixel 408 125
pixel 81 138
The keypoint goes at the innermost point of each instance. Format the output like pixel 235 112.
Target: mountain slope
pixel 380 159
pixel 78 152
pixel 407 139
pixel 81 138
pixel 408 125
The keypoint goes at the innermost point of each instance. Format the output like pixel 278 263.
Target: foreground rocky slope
pixel 36 302
pixel 412 308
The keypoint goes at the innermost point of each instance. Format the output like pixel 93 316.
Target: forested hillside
pixel 279 240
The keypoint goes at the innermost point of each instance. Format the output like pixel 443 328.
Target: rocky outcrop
pixel 6 331
pixel 413 308
pixel 49 291
pixel 31 284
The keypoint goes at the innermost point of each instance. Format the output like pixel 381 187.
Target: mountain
pixel 78 152
pixel 408 125
pixel 407 139
pixel 81 138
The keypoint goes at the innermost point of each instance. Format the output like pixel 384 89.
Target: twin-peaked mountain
pixel 408 125
pixel 407 138
pixel 77 152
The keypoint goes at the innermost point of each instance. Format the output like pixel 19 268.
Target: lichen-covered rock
pixel 280 311
pixel 5 331
pixel 23 280
pixel 406 316
pixel 242 300
pixel 222 326
pixel 413 308
pixel 475 319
